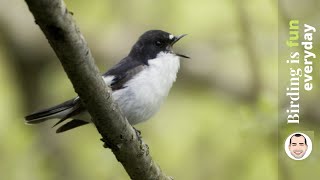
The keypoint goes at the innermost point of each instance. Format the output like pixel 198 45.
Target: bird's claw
pixel 138 133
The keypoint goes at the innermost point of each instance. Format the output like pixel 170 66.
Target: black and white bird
pixel 140 83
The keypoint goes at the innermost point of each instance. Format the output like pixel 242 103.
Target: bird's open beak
pixel 176 39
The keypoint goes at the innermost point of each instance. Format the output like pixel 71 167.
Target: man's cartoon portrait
pixel 298 145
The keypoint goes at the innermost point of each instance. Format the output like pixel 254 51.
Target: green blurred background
pixel 219 121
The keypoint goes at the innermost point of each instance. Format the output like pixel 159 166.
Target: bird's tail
pixel 61 111
pixel 58 111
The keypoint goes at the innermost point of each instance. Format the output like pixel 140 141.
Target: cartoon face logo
pixel 298 146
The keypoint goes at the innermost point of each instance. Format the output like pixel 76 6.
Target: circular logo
pixel 298 146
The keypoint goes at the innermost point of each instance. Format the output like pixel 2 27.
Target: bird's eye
pixel 159 43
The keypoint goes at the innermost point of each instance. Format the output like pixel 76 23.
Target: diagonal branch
pixel 57 24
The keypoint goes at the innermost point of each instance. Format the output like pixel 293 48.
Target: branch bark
pixel 64 36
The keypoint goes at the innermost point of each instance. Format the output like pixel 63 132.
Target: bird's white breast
pixel 146 91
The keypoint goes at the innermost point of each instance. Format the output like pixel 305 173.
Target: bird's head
pixel 153 42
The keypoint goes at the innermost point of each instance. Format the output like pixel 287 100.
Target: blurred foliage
pixel 219 121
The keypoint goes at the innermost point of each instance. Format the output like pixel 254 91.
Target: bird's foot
pixel 138 133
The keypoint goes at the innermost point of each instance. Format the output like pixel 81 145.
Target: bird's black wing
pixel 124 71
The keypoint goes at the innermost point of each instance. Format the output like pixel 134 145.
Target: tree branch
pixel 57 24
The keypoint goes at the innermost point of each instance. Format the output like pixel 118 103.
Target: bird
pixel 140 83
